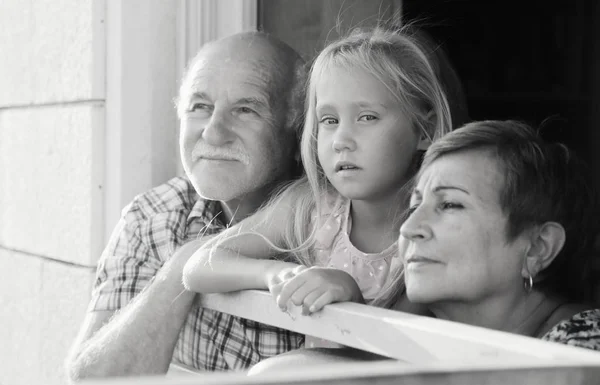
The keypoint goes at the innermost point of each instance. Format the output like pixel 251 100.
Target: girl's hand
pixel 314 288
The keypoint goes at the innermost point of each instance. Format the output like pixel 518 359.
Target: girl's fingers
pixel 289 288
pixel 325 299
pixel 305 289
pixel 310 299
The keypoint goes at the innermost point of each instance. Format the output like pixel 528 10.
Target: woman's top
pixel 582 330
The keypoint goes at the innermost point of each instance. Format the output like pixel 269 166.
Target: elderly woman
pixel 500 234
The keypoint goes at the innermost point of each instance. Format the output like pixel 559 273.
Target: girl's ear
pixel 546 243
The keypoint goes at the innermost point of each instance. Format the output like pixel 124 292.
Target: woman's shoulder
pixel 582 329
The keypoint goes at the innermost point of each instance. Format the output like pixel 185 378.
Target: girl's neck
pixel 524 314
pixel 376 223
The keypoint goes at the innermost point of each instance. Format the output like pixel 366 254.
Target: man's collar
pixel 209 211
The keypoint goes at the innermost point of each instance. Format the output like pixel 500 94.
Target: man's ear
pixel 547 241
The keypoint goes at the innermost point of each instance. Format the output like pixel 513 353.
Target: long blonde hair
pixel 398 58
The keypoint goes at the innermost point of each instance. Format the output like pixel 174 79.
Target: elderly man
pixel 240 107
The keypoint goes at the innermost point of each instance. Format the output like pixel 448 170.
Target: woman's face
pixel 454 241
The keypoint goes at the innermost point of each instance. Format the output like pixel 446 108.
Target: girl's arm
pixel 227 271
pixel 242 258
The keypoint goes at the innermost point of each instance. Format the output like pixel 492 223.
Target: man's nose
pixel 417 227
pixel 343 139
pixel 217 131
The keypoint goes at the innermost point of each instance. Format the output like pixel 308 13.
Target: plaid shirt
pixel 154 225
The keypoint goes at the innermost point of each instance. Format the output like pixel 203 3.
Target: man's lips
pixel 216 158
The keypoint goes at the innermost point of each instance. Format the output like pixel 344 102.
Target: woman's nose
pixel 416 226
pixel 217 130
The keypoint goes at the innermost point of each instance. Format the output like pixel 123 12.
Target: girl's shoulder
pixel 582 329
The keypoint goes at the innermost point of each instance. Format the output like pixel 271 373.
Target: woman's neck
pixel 524 314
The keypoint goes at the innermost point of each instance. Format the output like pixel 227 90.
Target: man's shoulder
pixel 175 195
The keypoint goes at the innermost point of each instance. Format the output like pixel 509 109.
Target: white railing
pixel 426 350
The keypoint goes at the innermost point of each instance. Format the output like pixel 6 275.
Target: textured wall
pixel 54 152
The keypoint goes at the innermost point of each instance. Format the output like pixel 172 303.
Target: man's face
pixel 231 142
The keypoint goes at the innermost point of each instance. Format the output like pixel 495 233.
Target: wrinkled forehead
pixel 210 73
pixel 479 172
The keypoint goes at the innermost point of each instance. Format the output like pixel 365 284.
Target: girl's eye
pixel 367 118
pixel 328 120
pixel 446 205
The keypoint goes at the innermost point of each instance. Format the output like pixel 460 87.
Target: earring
pixel 528 284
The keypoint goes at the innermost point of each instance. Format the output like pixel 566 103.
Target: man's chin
pixel 221 189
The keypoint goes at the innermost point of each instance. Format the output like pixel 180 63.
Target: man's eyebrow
pixel 254 101
pixel 199 95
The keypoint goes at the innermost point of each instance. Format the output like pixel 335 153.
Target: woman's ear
pixel 546 242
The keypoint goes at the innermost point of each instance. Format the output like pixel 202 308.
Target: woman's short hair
pixel 542 182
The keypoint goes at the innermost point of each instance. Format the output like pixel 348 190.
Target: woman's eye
pixel 450 205
pixel 367 118
pixel 412 209
pixel 328 120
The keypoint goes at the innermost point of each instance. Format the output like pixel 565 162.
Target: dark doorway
pixel 531 60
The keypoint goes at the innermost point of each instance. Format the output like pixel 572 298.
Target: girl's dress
pixel 334 249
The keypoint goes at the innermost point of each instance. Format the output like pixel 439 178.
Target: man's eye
pixel 328 120
pixel 246 110
pixel 199 107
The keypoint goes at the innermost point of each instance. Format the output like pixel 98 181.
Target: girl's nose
pixel 343 140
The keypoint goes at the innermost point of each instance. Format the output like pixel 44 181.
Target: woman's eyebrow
pixel 450 187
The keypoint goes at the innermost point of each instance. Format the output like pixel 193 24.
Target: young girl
pixel 373 101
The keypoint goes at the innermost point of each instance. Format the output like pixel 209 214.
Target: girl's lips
pixel 343 165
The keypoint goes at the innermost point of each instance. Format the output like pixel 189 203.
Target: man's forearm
pixel 141 337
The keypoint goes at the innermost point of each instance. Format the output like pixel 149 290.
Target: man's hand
pixel 314 287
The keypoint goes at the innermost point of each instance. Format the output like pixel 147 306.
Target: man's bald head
pixel 278 65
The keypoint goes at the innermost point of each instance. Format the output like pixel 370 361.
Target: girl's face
pixel 454 242
pixel 365 142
